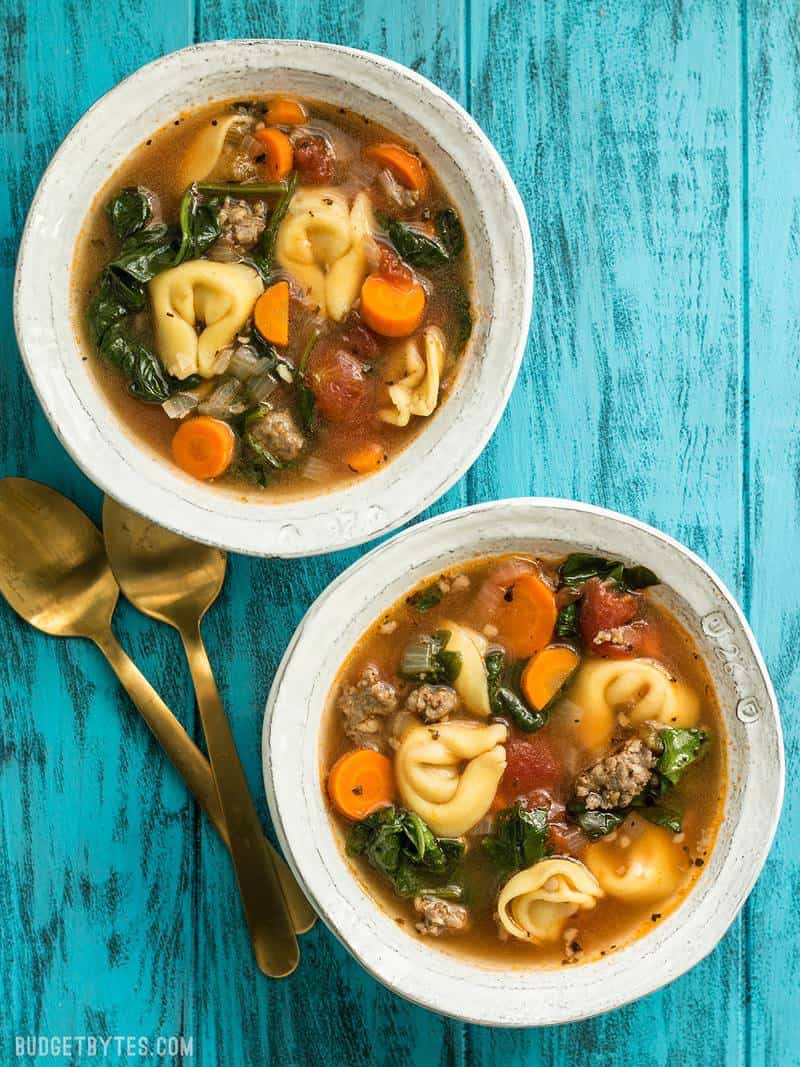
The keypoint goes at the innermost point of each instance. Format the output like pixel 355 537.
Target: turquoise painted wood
pixel 656 145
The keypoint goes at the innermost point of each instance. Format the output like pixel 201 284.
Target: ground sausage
pixel 616 780
pixel 313 159
pixel 365 706
pixel 241 225
pixel 278 433
pixel 439 916
pixel 432 702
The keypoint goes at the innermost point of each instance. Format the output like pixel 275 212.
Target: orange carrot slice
pixel 360 782
pixel 390 310
pixel 285 111
pixel 547 673
pixel 404 165
pixel 279 152
pixel 367 458
pixel 526 615
pixel 203 447
pixel 271 314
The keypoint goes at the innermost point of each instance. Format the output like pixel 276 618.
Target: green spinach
pixel 425 599
pixel 681 748
pixel 264 253
pixel 596 824
pixel 147 252
pixel 412 245
pixel 580 567
pixel 567 621
pixel 403 848
pixel 461 316
pixel 503 698
pixel 147 379
pixel 128 211
pixel 519 838
pixel 305 401
pixel 450 232
pixel 199 225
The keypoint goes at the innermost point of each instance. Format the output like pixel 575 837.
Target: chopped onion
pixel 246 362
pixel 316 470
pixel 395 191
pixel 221 361
pixel 179 405
pixel 252 146
pixel 219 404
pixel 261 386
pixel 361 172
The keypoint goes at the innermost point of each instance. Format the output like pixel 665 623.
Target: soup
pixel 274 294
pixel 524 760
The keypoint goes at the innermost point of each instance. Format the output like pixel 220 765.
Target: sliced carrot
pixel 526 615
pixel 547 673
pixel 271 314
pixel 285 111
pixel 279 152
pixel 367 458
pixel 204 446
pixel 360 782
pixel 390 310
pixel 404 165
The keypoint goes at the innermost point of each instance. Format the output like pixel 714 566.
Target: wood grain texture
pixel 654 145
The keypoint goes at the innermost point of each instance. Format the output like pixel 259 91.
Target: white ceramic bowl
pixel 499 244
pixel 292 775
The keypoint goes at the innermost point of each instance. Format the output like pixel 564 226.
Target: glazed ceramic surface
pixel 292 763
pixel 499 246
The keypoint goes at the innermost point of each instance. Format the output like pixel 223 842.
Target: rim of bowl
pixel 709 907
pixel 124 467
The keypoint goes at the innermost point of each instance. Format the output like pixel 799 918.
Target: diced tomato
pixel 394 269
pixel 530 765
pixel 606 607
pixel 357 338
pixel 340 383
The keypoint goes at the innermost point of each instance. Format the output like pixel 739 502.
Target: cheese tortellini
pixel 536 903
pixel 449 774
pixel 417 390
pixel 471 683
pixel 642 864
pixel 641 688
pixel 218 296
pixel 324 245
pixel 207 155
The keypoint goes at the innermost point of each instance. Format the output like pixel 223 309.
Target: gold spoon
pixel 54 572
pixel 176 581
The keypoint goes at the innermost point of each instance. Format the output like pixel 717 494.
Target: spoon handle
pixel 192 765
pixel 271 933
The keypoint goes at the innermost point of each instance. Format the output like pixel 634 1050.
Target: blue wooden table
pixel 657 147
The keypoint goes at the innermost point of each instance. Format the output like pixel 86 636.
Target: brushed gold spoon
pixel 54 573
pixel 176 581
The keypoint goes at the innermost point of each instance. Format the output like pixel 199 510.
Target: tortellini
pixel 642 864
pixel 206 155
pixel 641 688
pixel 536 903
pixel 324 245
pixel 471 683
pixel 448 774
pixel 417 391
pixel 218 296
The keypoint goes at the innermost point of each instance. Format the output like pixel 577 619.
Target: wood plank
pixel 770 37
pixel 330 1010
pixel 620 124
pixel 95 831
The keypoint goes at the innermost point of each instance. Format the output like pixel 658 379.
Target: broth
pixel 347 390
pixel 555 757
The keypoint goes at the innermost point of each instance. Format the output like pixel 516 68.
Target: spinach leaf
pixel 450 232
pixel 518 840
pixel 503 699
pixel 199 225
pixel 117 296
pixel 403 848
pixel 147 252
pixel 264 252
pixel 580 567
pixel 425 599
pixel 427 660
pixel 305 401
pixel 681 748
pixel 128 211
pixel 596 824
pixel 461 316
pixel 412 245
pixel 662 816
pixel 567 621
pixel 147 379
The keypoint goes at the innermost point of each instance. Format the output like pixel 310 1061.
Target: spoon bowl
pixel 54 571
